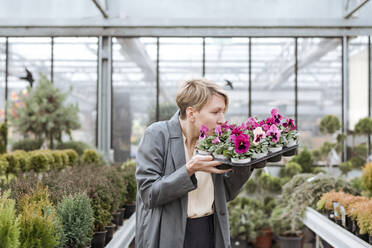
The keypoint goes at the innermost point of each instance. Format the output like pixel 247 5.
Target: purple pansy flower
pixel 241 143
pixel 289 125
pixel 216 140
pixel 218 130
pixel 276 116
pixel 274 133
pixel 203 132
pixel 258 135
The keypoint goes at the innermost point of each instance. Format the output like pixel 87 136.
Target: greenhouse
pixel 186 123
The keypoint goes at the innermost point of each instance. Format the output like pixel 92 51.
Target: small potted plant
pixel 288 227
pixel 205 142
pixel 241 153
pixel 275 141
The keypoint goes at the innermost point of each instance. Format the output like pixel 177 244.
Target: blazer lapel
pixel 176 141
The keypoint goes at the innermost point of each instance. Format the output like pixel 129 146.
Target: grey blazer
pixel 163 186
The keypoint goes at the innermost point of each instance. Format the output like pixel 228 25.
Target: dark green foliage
pixel 364 126
pixel 13 163
pixel 305 159
pixel 77 219
pixel 77 146
pixel 73 157
pixel 27 144
pixel 329 124
pixel 130 178
pixel 3 137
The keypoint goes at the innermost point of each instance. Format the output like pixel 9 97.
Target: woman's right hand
pixel 204 163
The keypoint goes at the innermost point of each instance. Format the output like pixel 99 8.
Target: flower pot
pixel 293 143
pixel 109 233
pixel 116 219
pixel 275 149
pixel 121 219
pixel 98 240
pixel 220 157
pixel 240 161
pixel 339 222
pixel 289 242
pixel 275 158
pixel 290 153
pixel 223 166
pixel 129 210
pixel 370 239
pixel 238 243
pixel 349 223
pixel 264 240
pixel 259 155
pixel 200 152
pixel 364 237
pixel 260 164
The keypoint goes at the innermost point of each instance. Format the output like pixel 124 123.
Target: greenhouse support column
pixel 104 96
pixel 345 91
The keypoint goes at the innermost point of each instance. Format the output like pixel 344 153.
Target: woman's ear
pixel 190 114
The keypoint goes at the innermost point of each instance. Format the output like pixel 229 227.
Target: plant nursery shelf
pixel 260 162
pixel 330 232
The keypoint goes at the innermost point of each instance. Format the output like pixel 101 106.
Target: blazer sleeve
pixel 234 181
pixel 154 188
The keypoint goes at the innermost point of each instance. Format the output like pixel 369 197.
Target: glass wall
pixel 2 79
pixel 26 54
pixel 226 62
pixel 180 59
pixel 75 67
pixel 273 72
pixel 319 87
pixel 134 93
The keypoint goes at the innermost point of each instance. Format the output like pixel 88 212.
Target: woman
pixel 181 199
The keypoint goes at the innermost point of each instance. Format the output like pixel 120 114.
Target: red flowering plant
pixel 205 145
pixel 222 149
pixel 290 132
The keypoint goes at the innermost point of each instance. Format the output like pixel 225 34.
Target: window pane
pixel 227 59
pixel 319 86
pixel 75 65
pixel 180 59
pixel 134 93
pixel 2 80
pixel 358 80
pixel 273 64
pixel 33 54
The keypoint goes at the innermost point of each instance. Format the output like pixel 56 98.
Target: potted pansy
pixel 260 144
pixel 241 153
pixel 205 145
pixel 290 133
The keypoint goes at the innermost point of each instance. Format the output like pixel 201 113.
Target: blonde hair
pixel 196 93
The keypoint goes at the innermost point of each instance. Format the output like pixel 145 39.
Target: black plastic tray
pixel 260 162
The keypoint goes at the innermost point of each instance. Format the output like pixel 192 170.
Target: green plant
pixel 59 163
pixel 359 155
pixel 167 110
pixel 305 159
pixel 39 224
pixel 39 161
pixel 43 112
pixel 13 163
pixel 27 144
pixel 290 169
pixel 357 184
pixel 367 177
pixel 77 146
pixel 77 220
pixel 346 167
pixel 23 159
pixel 90 157
pixel 117 177
pixel 3 137
pixel 9 223
pixel 73 157
pixel 285 222
pixel 364 126
pixel 329 124
pixel 129 168
pixel 3 166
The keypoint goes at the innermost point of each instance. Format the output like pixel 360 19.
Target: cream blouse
pixel 201 199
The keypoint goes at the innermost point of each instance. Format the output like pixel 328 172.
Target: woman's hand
pixel 203 163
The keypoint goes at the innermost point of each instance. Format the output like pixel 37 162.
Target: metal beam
pixel 355 9
pixel 181 32
pixel 102 10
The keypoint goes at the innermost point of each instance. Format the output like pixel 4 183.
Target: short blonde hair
pixel 196 93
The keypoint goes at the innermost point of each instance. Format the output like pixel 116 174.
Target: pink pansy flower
pixel 274 133
pixel 258 135
pixel 265 127
pixel 289 125
pixel 216 140
pixel 252 123
pixel 241 143
pixel 218 130
pixel 235 132
pixel 203 131
pixel 270 121
pixel 276 116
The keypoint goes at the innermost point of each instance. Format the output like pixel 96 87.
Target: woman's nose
pixel 221 120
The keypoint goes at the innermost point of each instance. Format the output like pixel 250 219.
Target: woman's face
pixel 212 113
